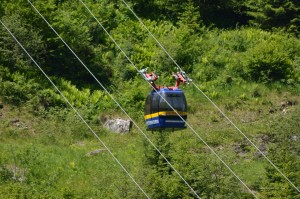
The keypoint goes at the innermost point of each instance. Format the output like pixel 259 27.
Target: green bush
pixel 18 89
pixel 267 62
pixel 5 174
pixel 252 54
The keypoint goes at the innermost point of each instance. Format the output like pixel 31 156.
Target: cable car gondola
pixel 162 101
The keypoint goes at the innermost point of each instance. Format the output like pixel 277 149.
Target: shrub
pixel 18 90
pixel 252 54
pixel 5 174
pixel 48 98
pixel 267 62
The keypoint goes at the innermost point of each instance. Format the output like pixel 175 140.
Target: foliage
pixel 28 36
pixel 275 14
pixel 247 70
pixel 17 88
pixel 58 59
pixel 268 14
pixel 251 54
pixel 268 61
pixel 284 153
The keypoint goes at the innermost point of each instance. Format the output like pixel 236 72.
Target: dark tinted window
pixel 155 103
pixel 148 104
pixel 176 100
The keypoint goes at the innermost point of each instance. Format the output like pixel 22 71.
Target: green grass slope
pixel 44 155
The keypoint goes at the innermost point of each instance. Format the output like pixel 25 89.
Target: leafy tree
pixel 268 62
pixel 72 23
pixel 222 13
pixel 162 181
pixel 284 14
pixel 11 53
pixel 190 17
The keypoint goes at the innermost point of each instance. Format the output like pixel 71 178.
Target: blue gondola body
pixel 159 114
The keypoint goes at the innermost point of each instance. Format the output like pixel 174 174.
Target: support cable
pixel 75 110
pixel 211 149
pixel 194 192
pixel 214 104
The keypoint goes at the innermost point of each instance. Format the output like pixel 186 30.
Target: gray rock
pixel 295 138
pixel 272 110
pixel 80 143
pixel 16 122
pixel 95 152
pixel 118 125
pixel 263 149
pixel 18 173
pixel 285 104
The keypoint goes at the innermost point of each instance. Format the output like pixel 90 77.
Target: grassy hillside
pixel 45 154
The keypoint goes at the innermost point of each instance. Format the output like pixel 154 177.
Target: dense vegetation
pixel 245 55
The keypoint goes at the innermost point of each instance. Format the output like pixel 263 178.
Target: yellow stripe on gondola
pixel 165 113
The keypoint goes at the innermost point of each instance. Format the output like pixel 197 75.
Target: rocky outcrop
pixel 16 122
pixel 263 149
pixel 95 152
pixel 16 173
pixel 118 125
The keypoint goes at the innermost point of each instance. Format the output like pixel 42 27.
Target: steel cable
pixel 75 110
pixel 241 181
pixel 194 192
pixel 214 104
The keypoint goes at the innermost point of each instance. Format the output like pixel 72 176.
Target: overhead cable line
pixel 75 110
pixel 211 149
pixel 148 139
pixel 214 104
